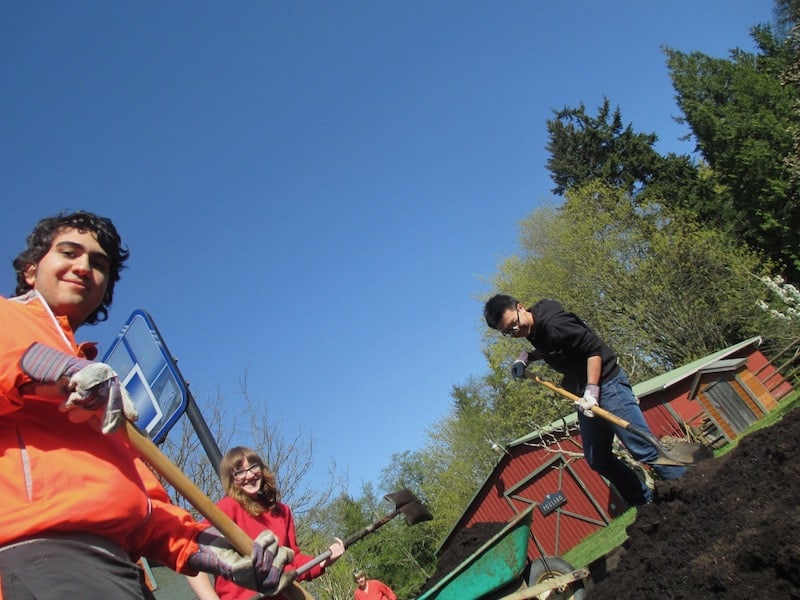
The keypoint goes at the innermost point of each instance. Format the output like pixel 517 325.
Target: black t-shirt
pixel 567 343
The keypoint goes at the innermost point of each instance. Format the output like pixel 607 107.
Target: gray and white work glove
pixel 589 400
pixel 262 571
pixel 518 366
pixel 93 388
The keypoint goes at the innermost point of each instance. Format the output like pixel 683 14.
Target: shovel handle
pixel 351 540
pixel 186 488
pixel 597 410
pixel 664 457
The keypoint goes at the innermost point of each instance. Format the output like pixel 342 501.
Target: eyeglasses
pixel 241 474
pixel 509 330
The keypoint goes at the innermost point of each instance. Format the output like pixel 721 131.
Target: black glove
pixel 262 571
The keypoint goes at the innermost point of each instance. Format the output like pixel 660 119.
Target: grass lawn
pixel 603 541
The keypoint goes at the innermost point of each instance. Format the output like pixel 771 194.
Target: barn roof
pixel 670 378
pixel 168 585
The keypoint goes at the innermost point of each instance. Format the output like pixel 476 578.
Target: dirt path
pixel 730 528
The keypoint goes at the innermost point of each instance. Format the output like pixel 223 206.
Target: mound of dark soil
pixel 730 528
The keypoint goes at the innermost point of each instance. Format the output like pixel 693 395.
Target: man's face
pixel 514 322
pixel 73 276
pixel 361 582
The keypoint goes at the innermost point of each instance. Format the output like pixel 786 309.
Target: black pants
pixel 55 568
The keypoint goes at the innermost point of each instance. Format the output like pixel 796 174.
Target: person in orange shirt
pixel 252 502
pixel 79 506
pixel 371 589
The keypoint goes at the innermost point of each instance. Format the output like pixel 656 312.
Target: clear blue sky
pixel 316 192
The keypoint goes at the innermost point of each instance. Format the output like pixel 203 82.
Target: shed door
pixel 738 415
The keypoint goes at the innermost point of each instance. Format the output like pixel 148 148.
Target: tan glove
pixel 98 380
pixel 262 571
pixel 93 388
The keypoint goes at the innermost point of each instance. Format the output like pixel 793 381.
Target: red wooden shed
pixel 546 468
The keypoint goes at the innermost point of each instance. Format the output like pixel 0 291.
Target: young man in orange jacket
pixel 79 506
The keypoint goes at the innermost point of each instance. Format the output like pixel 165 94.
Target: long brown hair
pixel 233 461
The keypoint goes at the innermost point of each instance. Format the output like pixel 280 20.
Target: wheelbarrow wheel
pixel 550 567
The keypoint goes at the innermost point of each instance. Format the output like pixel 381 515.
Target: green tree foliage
pixel 788 18
pixel 743 114
pixel 659 288
pixel 586 149
pixel 742 117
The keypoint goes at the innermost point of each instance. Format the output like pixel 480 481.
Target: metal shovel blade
pixel 412 508
pixel 683 452
pixel 404 501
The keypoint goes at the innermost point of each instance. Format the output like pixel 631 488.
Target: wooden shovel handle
pixel 690 453
pixel 597 410
pixel 186 488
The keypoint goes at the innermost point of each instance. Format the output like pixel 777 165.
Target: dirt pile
pixel 730 528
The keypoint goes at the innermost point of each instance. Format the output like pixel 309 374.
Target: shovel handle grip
pixel 597 410
pixel 664 457
pixel 313 562
pixel 602 413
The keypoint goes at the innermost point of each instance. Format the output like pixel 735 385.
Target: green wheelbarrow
pixel 498 562
pixel 501 563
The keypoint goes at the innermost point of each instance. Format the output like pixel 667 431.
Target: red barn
pixel 715 397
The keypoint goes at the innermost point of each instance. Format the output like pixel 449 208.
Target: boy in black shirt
pixel 591 371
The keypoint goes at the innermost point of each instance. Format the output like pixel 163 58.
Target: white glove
pixel 518 366
pixel 589 400
pixel 96 391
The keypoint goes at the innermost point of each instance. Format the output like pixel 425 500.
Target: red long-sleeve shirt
pixel 279 521
pixel 375 590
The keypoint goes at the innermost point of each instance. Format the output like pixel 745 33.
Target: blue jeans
pixel 616 396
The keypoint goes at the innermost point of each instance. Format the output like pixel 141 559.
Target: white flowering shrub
pixel 786 296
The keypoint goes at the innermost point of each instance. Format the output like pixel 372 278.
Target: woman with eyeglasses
pixel 251 501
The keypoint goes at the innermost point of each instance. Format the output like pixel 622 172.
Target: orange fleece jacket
pixel 58 477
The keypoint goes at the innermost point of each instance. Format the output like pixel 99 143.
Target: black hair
pixel 40 241
pixel 496 306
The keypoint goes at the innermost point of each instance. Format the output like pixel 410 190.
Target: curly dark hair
pixel 40 241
